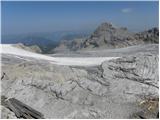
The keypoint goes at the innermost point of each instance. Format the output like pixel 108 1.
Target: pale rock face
pixel 132 75
pixel 111 90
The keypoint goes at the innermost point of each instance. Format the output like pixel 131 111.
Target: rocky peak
pixel 154 30
pixel 106 26
pixel 108 36
pixel 109 27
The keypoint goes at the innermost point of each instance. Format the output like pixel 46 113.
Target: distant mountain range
pixel 46 41
pixel 107 36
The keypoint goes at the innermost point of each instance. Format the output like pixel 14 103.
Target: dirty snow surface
pixel 76 61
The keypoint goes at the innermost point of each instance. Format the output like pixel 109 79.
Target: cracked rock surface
pixel 111 90
pixel 6 113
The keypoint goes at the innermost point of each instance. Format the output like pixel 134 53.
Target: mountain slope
pixel 67 46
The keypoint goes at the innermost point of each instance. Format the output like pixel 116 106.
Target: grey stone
pixel 111 90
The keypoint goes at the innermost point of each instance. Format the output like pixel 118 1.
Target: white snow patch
pixel 78 61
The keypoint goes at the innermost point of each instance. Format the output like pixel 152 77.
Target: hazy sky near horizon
pixel 27 17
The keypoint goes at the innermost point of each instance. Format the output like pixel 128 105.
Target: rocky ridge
pixel 107 36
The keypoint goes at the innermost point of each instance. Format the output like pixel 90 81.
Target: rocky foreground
pixel 126 87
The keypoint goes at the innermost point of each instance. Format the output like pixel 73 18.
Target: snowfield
pixel 78 61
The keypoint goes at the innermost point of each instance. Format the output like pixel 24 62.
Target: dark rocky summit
pixel 149 36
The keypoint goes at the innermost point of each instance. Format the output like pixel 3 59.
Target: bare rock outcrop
pixel 112 90
pixel 20 109
pixel 149 36
pixel 32 48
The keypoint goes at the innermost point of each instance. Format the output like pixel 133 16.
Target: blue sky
pixel 26 17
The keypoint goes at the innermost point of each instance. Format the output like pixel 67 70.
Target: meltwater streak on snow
pixel 79 61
